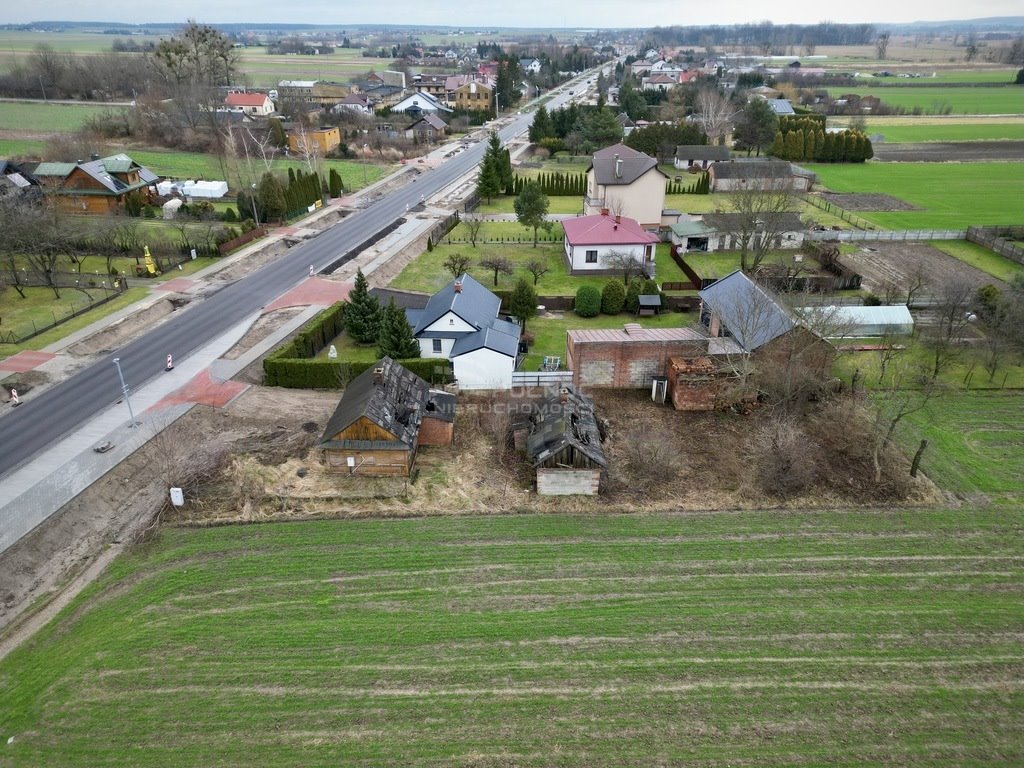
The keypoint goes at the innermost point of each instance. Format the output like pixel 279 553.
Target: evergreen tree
pixel 488 184
pixel 362 313
pixel 396 339
pixel 531 208
pixel 277 135
pixel 541 127
pixel 523 302
pixel 270 195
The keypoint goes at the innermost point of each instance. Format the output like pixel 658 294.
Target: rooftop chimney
pixel 458 286
pixel 618 218
pixel 94 156
pixel 618 167
pixel 604 211
pixel 378 375
pixel 563 395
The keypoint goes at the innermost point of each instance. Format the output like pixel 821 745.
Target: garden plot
pixel 869 202
pixel 904 266
pixel 939 152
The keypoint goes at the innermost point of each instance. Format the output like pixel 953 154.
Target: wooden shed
pixel 563 442
pixel 376 428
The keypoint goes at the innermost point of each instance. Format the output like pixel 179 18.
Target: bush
pixel 613 298
pixel 230 215
pixel 148 212
pixel 588 301
pixel 872 301
pixel 636 287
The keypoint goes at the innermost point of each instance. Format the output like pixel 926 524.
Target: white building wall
pixel 483 369
pixel 578 255
pixel 427 347
pixel 449 322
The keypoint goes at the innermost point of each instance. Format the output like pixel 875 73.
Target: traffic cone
pixel 311 272
pixel 170 363
pixel 14 398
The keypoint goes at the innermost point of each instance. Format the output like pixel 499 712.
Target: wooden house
pixel 386 413
pixel 97 186
pixel 562 441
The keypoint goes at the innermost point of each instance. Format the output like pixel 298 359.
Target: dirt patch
pixel 868 202
pixel 123 331
pixel 481 475
pixel 261 329
pixel 900 266
pixel 953 151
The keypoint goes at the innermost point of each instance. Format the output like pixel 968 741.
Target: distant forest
pixel 766 35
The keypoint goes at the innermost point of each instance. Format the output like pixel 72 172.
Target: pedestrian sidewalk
pixel 32 493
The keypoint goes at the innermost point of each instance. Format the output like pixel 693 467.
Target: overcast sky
pixel 522 13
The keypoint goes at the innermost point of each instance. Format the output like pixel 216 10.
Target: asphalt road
pixel 42 420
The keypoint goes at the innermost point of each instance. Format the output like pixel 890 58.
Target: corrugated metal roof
pixel 54 169
pixel 847 319
pixel 635 335
pixel 751 314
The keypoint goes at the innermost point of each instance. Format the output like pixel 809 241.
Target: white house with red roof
pixel 593 242
pixel 251 103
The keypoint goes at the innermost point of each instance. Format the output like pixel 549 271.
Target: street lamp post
pixel 365 148
pixel 124 390
pixel 252 199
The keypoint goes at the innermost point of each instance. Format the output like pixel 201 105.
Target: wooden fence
pixel 241 240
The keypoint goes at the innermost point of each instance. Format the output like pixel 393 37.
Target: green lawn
pixel 26 148
pixel 974 76
pixel 769 638
pixel 127 298
pixel 549 333
pixel 24 116
pixel 556 204
pixel 961 100
pixel 981 258
pixel 900 134
pixel 951 195
pixel 976 441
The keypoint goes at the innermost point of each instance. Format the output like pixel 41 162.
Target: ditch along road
pixel 41 421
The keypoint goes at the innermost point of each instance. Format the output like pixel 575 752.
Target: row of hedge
pixel 296 366
pixel 322 373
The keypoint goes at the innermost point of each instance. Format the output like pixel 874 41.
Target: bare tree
pixel 952 316
pixel 882 45
pixel 538 268
pixel 917 282
pixel 473 226
pixel 625 264
pixel 498 265
pixel 715 115
pixel 763 210
pixel 457 264
pixel 907 391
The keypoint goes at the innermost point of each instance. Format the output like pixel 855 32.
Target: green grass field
pixel 755 638
pixel 902 134
pixel 976 441
pixel 46 118
pixel 960 100
pixel 982 258
pixel 25 148
pixel 952 195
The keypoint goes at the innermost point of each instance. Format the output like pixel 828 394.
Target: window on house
pixel 591 257
pixel 437 346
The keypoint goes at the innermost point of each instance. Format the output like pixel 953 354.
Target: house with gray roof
pixel 699 156
pixel 386 413
pixel 757 173
pixel 625 182
pixel 461 323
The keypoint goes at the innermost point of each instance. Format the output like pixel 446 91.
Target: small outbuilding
pixel 860 321
pixel 562 441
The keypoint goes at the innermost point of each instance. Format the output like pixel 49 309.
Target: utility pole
pixel 41 88
pixel 124 391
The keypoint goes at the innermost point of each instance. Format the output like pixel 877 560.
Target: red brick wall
pixel 624 365
pixel 436 432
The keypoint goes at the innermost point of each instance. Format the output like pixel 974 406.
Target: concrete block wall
pixel 568 482
pixel 625 365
